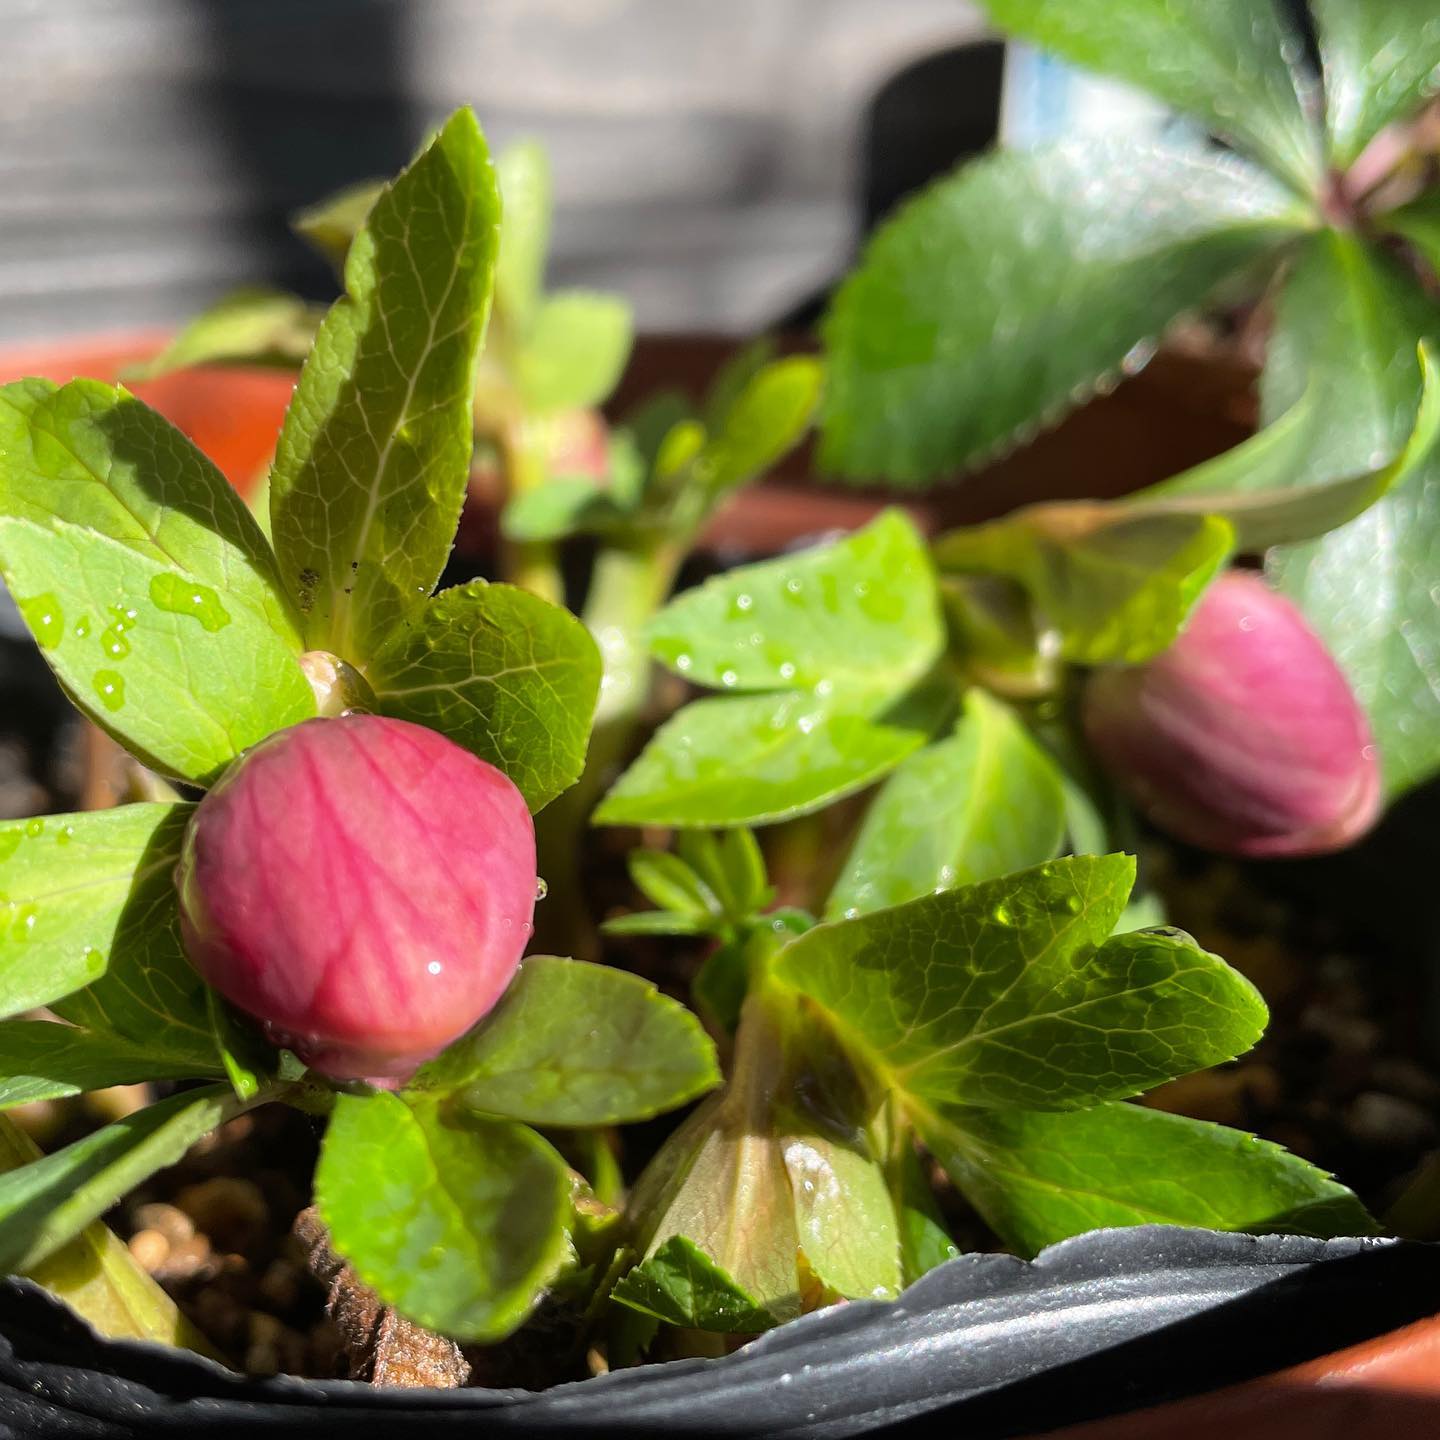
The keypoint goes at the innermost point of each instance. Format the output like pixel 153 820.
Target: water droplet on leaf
pixel 110 687
pixel 179 596
pixel 44 617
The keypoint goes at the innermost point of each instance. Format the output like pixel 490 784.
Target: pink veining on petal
pixel 362 886
pixel 1244 737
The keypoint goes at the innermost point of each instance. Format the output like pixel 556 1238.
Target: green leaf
pixel 1262 501
pixel 573 1044
pixel 1231 62
pixel 924 1241
pixel 45 1204
pixel 1419 223
pixel 373 460
pixel 246 1058
pixel 1114 585
pixel 524 174
pixel 1038 1178
pixel 1382 59
pixel 1009 993
pixel 720 986
pixel 681 1285
pixel 575 350
pixel 560 508
pixel 77 892
pixel 670 882
pixel 756 759
pixel 1348 323
pixel 981 803
pixel 1002 295
pixel 656 922
pixel 733 865
pixel 248 327
pixel 720 1182
pixel 763 422
pixel 457 1221
pixel 331 225
pixel 92 456
pixel 40 1060
pixel 503 673
pixel 860 615
pixel 97 1276
pixel 184 678
pixel 149 993
pixel 844 1218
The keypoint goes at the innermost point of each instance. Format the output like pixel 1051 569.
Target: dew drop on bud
pixel 541 888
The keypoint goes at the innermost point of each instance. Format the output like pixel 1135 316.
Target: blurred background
pixel 714 163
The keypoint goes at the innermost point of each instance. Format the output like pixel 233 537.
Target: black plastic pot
pixel 986 1346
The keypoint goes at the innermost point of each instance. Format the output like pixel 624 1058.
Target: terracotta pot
pixel 1385 1389
pixel 233 415
pixel 1183 408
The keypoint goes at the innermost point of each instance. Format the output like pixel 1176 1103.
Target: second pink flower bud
pixel 1243 737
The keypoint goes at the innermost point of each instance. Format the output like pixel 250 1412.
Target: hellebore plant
pixel 339 922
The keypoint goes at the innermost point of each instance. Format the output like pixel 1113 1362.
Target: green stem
pixel 630 582
pixel 531 564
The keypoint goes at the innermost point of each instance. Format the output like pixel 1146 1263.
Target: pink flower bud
pixel 1243 737
pixel 579 444
pixel 363 887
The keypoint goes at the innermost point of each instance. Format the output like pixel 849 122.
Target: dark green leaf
pixel 248 327
pixel 1382 58
pixel 1231 62
pixel 457 1221
pixel 55 933
pixel 981 803
pixel 372 463
pixel 1115 585
pixel 574 351
pixel 40 1060
pixel 574 1044
pixel 1004 294
pixel 1038 1177
pixel 681 1285
pixel 44 1204
pixel 1419 223
pixel 860 615
pixel 1263 502
pixel 924 1241
pixel 754 759
pixel 1009 993
pixel 503 673
pixel 1347 327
